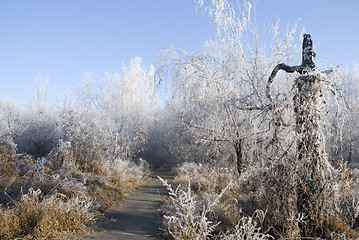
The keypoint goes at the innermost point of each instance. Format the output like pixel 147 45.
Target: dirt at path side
pixel 137 216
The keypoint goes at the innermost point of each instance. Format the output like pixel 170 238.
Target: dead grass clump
pixel 273 190
pixel 28 173
pixel 118 173
pixel 9 224
pixel 121 177
pixel 198 214
pixel 36 215
pixel 204 178
pixel 127 175
pixel 106 195
pixel 16 176
pixel 7 162
pixel 64 214
pixel 207 181
pixel 108 181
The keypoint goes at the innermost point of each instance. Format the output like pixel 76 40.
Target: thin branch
pixel 330 71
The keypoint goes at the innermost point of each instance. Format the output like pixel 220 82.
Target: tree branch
pixel 281 66
pixel 330 71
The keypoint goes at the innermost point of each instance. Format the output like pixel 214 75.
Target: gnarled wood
pixel 281 66
pixel 308 64
pixel 313 172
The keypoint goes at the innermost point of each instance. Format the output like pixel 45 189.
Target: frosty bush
pixel 38 134
pixel 9 122
pixel 83 144
pixel 207 213
pixel 342 119
pixel 245 229
pixel 187 216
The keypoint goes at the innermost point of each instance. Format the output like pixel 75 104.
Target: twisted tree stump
pixel 313 170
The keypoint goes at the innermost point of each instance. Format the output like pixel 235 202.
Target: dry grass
pixel 202 203
pixel 204 178
pixel 127 175
pixel 63 204
pixel 273 190
pixel 69 199
pixel 262 202
pixel 35 217
pixel 201 213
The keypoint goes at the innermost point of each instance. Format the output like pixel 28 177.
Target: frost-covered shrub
pixel 24 172
pixel 187 215
pixel 37 127
pixel 207 213
pixel 38 135
pixel 122 107
pixel 207 180
pixel 107 180
pixel 32 130
pixel 9 122
pixel 273 190
pixel 83 145
pixel 245 229
pixel 342 120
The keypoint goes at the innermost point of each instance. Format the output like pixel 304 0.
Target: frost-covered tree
pixel 342 119
pixel 38 130
pixel 121 107
pixel 218 94
pixel 9 122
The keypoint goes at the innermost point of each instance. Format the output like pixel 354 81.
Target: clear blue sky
pixel 61 39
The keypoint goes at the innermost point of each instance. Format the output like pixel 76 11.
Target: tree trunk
pixel 313 169
pixel 238 147
pixel 313 175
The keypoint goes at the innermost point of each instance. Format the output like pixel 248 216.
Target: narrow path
pixel 137 216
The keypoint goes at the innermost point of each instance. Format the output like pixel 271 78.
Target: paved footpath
pixel 137 216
